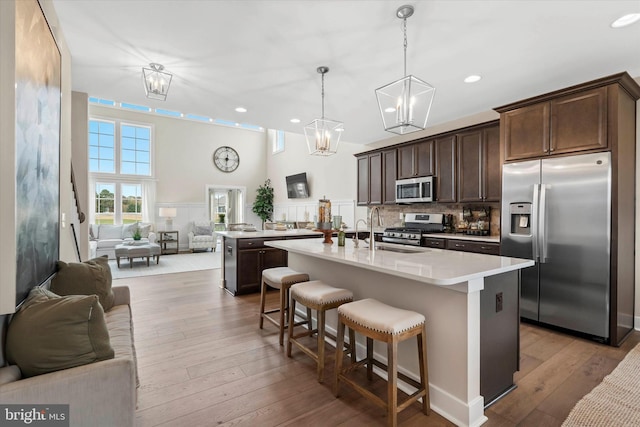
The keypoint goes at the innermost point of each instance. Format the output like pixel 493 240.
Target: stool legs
pixel 391 405
pixel 321 333
pixel 424 372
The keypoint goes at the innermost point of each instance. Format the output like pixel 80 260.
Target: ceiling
pixel 263 55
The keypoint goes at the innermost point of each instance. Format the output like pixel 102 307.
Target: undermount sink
pixel 399 250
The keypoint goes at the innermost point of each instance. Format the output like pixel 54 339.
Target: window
pixel 119 166
pixel 101 146
pixel 131 203
pixel 277 137
pixel 135 150
pixel 105 203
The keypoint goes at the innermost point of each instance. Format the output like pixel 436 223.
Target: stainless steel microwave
pixel 414 190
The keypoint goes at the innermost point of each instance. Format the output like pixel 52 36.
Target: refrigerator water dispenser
pixel 520 214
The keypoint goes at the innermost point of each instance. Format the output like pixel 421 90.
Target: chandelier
pixel 323 135
pixel 156 81
pixel 405 104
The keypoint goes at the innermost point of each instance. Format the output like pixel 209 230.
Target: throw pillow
pixel 145 229
pixel 49 333
pixel 91 277
pixel 129 229
pixel 108 232
pixel 203 230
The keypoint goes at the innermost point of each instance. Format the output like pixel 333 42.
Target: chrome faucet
pixel 372 240
pixel 355 239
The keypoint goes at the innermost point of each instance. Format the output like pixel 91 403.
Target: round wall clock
pixel 226 159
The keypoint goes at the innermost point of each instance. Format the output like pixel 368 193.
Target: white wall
pixel 183 162
pixel 333 177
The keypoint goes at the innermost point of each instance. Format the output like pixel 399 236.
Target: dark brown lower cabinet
pixel 471 246
pixel 244 260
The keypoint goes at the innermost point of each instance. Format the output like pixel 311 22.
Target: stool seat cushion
pixel 319 293
pixel 374 315
pixel 278 276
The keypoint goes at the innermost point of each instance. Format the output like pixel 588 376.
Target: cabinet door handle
pixel 458 245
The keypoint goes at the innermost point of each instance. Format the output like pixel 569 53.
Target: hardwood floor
pixel 203 361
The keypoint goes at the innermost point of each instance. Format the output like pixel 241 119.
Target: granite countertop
pixel 433 266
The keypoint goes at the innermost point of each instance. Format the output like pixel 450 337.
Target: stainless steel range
pixel 416 224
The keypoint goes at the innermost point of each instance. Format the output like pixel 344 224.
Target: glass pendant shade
pixel 156 82
pixel 405 104
pixel 323 136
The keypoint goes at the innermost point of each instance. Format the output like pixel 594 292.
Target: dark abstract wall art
pixel 38 109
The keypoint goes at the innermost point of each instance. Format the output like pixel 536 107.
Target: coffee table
pixel 137 250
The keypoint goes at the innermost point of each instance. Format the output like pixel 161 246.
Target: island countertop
pixel 432 266
pixel 259 234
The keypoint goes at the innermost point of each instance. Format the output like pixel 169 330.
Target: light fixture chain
pixel 322 95
pixel 405 46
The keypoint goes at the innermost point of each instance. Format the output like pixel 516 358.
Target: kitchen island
pixel 470 302
pixel 244 256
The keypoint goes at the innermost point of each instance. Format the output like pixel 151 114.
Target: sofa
pixel 102 393
pixel 103 238
pixel 202 236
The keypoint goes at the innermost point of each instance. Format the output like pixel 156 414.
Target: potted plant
pixel 136 234
pixel 221 217
pixel 263 205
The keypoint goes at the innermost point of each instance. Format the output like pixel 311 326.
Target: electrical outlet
pixel 498 302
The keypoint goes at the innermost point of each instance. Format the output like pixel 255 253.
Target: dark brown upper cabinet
pixel 389 175
pixel 445 169
pixel 415 160
pixel 377 178
pixel 479 164
pixel 565 123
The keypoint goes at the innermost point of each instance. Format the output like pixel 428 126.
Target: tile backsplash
pixel 391 213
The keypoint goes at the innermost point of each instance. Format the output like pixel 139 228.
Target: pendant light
pixel 405 103
pixel 156 81
pixel 323 135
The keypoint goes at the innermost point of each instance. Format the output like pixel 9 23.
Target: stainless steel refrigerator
pixel 557 211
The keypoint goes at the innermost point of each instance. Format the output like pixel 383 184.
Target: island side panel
pixel 452 331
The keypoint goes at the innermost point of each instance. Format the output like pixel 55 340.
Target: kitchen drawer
pixel 433 243
pixel 477 247
pixel 255 243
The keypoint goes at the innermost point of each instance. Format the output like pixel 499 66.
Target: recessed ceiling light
pixel 241 110
pixel 625 20
pixel 472 78
pixel 390 110
pixel 295 120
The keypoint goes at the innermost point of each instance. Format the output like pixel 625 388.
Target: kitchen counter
pixel 467 299
pixel 295 232
pixel 431 266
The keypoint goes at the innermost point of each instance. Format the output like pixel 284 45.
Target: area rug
pixel 615 401
pixel 168 264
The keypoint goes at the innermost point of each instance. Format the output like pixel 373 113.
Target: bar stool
pixel 279 278
pixel 391 325
pixel 319 296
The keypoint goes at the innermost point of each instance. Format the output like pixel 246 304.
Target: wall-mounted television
pixel 297 186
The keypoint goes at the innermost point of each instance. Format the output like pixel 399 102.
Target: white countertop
pixel 433 266
pixel 268 233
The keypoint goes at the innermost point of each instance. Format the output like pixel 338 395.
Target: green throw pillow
pixel 91 277
pixel 49 333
